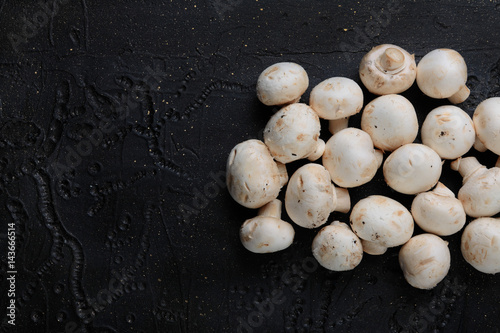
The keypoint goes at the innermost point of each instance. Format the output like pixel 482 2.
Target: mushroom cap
pixel 381 81
pixel 439 214
pixel 480 194
pixel 253 178
pixel 282 83
pixel 292 133
pixel 350 158
pixel 441 73
pixel 382 221
pixel 487 123
pixel 310 196
pixel 391 121
pixel 425 260
pixel 336 97
pixel 481 244
pixel 449 131
pixel 337 248
pixel 412 168
pixel 265 234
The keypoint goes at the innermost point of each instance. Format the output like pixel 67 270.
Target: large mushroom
pixel 253 178
pixel 391 121
pixel 425 260
pixel 267 232
pixel 442 73
pixel 292 133
pixel 381 222
pixel 449 131
pixel 387 69
pixel 350 158
pixel 311 197
pixel 282 83
pixel 481 244
pixel 487 122
pixel 438 211
pixel 412 168
pixel 336 99
pixel 337 248
pixel 480 192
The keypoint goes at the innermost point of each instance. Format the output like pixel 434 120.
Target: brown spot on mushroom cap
pixel 301 137
pixel 271 70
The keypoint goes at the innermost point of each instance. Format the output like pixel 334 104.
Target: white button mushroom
pixel 387 69
pixel 481 244
pixel 381 222
pixel 442 73
pixel 391 121
pixel 449 131
pixel 266 232
pixel 438 211
pixel 412 168
pixel 480 192
pixel 282 83
pixel 337 248
pixel 311 197
pixel 487 122
pixel 350 158
pixel 425 260
pixel 292 133
pixel 253 178
pixel 336 99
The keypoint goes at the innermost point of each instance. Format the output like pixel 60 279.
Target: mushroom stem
pixel 282 173
pixel 318 152
pixel 343 200
pixel 460 95
pixel 271 209
pixel 379 155
pixel 467 166
pixel 443 191
pixel 336 125
pixel 498 162
pixel 392 59
pixel 479 146
pixel 373 248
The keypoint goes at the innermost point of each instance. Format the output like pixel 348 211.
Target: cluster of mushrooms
pixel 256 170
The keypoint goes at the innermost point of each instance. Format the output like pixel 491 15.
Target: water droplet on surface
pixel 130 318
pixel 58 288
pixel 61 316
pixel 36 316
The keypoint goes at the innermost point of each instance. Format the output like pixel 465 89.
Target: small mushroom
pixel 266 232
pixel 481 244
pixel 442 73
pixel 487 122
pixel 387 69
pixel 425 260
pixel 480 192
pixel 438 211
pixel 337 248
pixel 391 121
pixel 336 99
pixel 282 83
pixel 292 133
pixel 449 131
pixel 350 158
pixel 381 222
pixel 311 197
pixel 412 168
pixel 253 178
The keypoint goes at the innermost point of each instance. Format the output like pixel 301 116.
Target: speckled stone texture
pixel 116 120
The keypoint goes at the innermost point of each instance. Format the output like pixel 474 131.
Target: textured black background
pixel 140 234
